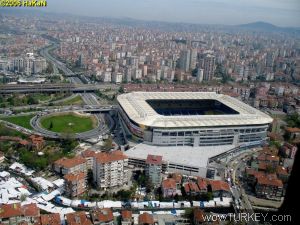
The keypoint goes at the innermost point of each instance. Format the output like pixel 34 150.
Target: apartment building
pixel 65 166
pixel 75 184
pixel 110 169
pixel 153 169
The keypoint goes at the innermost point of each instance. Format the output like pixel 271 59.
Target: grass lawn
pixel 23 121
pixel 73 101
pixel 69 123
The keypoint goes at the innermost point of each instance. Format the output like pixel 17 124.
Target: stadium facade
pixel 191 119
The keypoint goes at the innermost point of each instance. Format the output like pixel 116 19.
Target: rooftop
pixel 69 163
pixel 106 157
pixel 184 155
pixel 139 110
pixel 154 159
pixel 74 176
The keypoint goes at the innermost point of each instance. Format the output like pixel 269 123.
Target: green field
pixel 77 100
pixel 68 123
pixel 23 121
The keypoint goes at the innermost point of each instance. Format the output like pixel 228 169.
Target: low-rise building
pixel 77 218
pixel 126 217
pixel 75 184
pixel 65 165
pixel 202 185
pixel 15 213
pixel 168 187
pixel 145 219
pixel 37 142
pixel 191 188
pixel 269 186
pixel 50 219
pixel 220 188
pixel 198 216
pixel 102 217
pixel 11 213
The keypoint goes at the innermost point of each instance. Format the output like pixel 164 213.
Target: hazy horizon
pixel 284 13
pixel 228 12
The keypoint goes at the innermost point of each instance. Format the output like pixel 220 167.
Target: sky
pixel 228 12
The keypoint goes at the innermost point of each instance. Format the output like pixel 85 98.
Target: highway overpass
pixel 53 88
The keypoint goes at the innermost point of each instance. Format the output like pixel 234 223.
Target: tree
pixel 51 125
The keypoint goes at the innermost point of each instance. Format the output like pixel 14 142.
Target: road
pixel 235 166
pixel 90 99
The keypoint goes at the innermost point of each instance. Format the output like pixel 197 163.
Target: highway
pixel 89 98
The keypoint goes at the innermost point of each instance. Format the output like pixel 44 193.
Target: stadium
pixel 191 119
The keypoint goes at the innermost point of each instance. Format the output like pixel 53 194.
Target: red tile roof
pixel 218 185
pixel 191 187
pixel 31 210
pixel 106 157
pixel 10 210
pixel 202 184
pixel 78 218
pixel 269 180
pixel 198 215
pixel 50 219
pixel 146 218
pixel 69 163
pixel 154 159
pixel 102 215
pixel 75 176
pixel 126 215
pixel 177 177
pixel 169 183
pixel 88 153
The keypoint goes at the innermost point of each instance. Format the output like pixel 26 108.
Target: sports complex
pixel 189 127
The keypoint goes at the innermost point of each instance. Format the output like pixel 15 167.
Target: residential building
pixel 191 188
pixel 168 187
pixel 75 184
pixel 145 219
pixel 65 166
pixel 126 217
pixel 269 186
pixel 202 184
pixel 110 169
pixel 15 213
pixel 89 155
pixel 37 142
pixel 153 169
pixel 199 216
pixel 11 213
pixel 102 217
pixel 50 219
pixel 220 188
pixel 77 218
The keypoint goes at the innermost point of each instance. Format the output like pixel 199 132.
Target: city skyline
pixel 278 12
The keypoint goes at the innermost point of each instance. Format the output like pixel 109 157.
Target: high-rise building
pixel 109 169
pixel 208 67
pixel 193 60
pixel 200 75
pixel 153 169
pixel 184 61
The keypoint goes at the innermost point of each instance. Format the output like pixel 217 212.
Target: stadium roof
pixel 141 112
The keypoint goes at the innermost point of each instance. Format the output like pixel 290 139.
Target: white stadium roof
pixel 138 110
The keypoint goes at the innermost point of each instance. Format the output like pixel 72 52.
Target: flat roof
pixel 180 155
pixel 137 109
